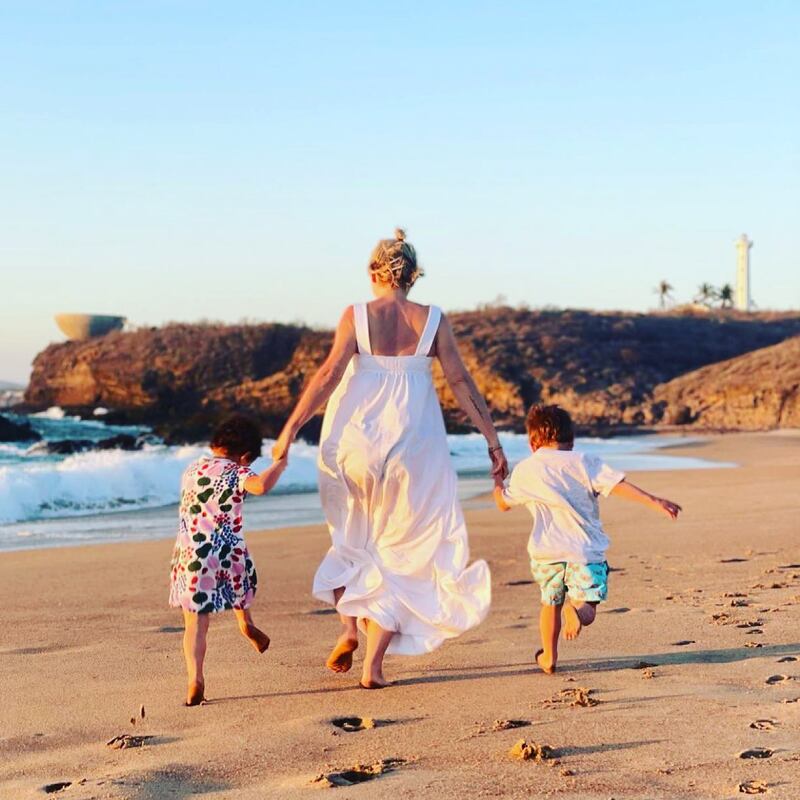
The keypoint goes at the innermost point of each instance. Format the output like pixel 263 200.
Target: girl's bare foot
pixel 255 636
pixel 548 667
pixel 341 657
pixel 196 694
pixel 572 622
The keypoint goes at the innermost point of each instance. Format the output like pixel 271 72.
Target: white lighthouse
pixel 743 245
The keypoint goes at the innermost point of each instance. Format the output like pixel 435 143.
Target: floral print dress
pixel 211 568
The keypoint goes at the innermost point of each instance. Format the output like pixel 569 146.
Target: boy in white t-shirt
pixel 567 546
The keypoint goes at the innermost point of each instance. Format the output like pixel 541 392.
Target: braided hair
pixel 394 262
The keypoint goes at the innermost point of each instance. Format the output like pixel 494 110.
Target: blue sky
pixel 182 160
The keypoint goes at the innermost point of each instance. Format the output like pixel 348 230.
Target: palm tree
pixel 663 291
pixel 705 294
pixel 725 295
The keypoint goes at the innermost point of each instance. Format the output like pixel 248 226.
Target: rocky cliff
pixel 606 368
pixel 756 391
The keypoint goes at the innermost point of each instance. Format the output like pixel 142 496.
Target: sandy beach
pixel 693 660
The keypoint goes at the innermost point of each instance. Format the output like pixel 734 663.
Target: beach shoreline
pixel 88 638
pixel 295 502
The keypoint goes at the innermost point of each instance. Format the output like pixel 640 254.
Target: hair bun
pixel 399 234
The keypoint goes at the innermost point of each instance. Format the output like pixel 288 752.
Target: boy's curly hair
pixel 549 425
pixel 238 436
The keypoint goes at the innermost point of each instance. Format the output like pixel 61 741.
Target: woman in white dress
pixel 398 563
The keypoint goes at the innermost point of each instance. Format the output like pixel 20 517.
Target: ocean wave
pixel 107 481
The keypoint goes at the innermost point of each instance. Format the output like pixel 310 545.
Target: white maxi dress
pixel 388 489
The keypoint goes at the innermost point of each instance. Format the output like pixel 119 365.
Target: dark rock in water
pixel 64 447
pixel 68 447
pixel 17 431
pixel 122 441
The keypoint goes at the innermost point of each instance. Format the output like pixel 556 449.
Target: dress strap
pixel 429 331
pixel 362 328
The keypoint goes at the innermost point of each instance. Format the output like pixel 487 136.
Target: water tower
pixel 743 245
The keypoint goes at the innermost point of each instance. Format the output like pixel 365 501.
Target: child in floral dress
pixel 211 568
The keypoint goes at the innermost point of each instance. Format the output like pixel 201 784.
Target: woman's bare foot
pixel 548 667
pixel 255 636
pixel 196 694
pixel 374 685
pixel 341 657
pixel 572 622
pixel 374 681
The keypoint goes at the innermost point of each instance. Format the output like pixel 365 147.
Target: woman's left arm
pixel 321 386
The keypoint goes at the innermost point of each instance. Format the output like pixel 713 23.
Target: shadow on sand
pixel 478 672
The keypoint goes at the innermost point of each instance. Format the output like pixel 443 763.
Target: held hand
pixel 667 507
pixel 280 449
pixel 499 464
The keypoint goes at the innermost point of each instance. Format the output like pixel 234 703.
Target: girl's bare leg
pixel 550 628
pixel 341 657
pixel 195 634
pixel 577 616
pixel 377 641
pixel 254 635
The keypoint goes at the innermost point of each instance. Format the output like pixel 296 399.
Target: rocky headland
pixel 614 371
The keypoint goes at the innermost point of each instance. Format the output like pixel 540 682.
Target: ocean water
pixel 114 495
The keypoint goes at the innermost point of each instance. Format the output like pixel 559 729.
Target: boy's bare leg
pixel 254 635
pixel 341 657
pixel 550 628
pixel 577 615
pixel 377 641
pixel 195 635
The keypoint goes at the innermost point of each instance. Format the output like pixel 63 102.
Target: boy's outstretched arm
pixel 629 491
pixel 499 500
pixel 264 481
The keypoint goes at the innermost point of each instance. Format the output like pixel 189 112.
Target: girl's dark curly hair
pixel 549 425
pixel 238 436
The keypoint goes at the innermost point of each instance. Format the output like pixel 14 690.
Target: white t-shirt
pixel 560 489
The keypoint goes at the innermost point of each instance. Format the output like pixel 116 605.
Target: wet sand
pixel 693 660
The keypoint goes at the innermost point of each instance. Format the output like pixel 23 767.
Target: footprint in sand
pixel 576 697
pixel 532 751
pixel 763 724
pixel 58 786
pixel 733 560
pixel 683 642
pixel 360 773
pixel 354 724
pixel 519 583
pixel 787 659
pixel 753 644
pixel 756 752
pixel 752 624
pixel 126 740
pixel 620 610
pixel 753 787
pixel 320 612
pixel 775 679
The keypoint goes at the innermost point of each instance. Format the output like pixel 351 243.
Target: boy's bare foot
pixel 547 667
pixel 255 636
pixel 572 622
pixel 341 657
pixel 196 694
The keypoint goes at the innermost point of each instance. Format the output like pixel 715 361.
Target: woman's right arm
pixel 467 394
pixel 321 386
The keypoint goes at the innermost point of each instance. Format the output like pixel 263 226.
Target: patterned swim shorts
pixel 583 582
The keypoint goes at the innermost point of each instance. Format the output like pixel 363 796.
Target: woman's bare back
pixel 395 326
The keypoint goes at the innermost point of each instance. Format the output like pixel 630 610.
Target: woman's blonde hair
pixel 394 262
